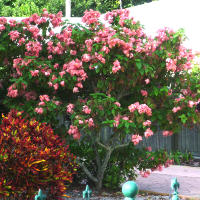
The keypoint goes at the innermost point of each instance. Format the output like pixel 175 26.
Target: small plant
pixel 32 157
pixel 180 157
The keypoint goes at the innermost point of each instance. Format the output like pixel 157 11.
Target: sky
pixel 174 14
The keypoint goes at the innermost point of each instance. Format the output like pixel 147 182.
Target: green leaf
pixel 138 64
pixel 183 118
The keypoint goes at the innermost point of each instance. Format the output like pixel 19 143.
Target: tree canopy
pixel 25 8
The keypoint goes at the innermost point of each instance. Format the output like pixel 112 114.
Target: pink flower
pixel 73 130
pixel 79 85
pixel 50 84
pixel 91 17
pixel 191 104
pixel 11 92
pixel 62 73
pixel 21 41
pixel 116 67
pixel 62 83
pixel 167 133
pixel 75 90
pixel 168 163
pixel 136 139
pixel 50 57
pixel 169 92
pixel 41 103
pixel 86 57
pixel 125 118
pixel 144 93
pixel 148 133
pixel 56 66
pixel 39 110
pixel 147 81
pixel 117 104
pixel 143 108
pixel 159 168
pixel 34 73
pixel 80 121
pixel 133 107
pixel 145 174
pixel 176 109
pixel 47 73
pixel 86 110
pixel 44 97
pixel 73 52
pixel 14 35
pixel 117 120
pixel 90 122
pixel 171 64
pixel 147 123
pixel 70 108
pixel 55 86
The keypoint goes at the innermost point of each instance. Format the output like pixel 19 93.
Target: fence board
pixel 187 140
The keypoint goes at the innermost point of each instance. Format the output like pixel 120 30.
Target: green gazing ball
pixel 130 189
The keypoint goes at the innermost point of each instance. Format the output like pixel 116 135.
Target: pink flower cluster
pixel 148 133
pixel 123 15
pixel 167 133
pixel 33 48
pixel 39 110
pixel 70 108
pixel 13 93
pixel 90 122
pixel 75 68
pixel 145 174
pixel 144 93
pixel 176 109
pixel 44 97
pixel 169 162
pixel 91 17
pixel 117 120
pixel 117 104
pixel 14 35
pixel 136 139
pixel 73 130
pixel 142 108
pixel 171 64
pixel 34 73
pixel 147 123
pixel 116 67
pixel 86 109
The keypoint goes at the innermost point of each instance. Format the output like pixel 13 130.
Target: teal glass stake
pixel 40 195
pixel 175 185
pixel 87 193
pixel 130 190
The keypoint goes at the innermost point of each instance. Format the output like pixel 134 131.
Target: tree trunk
pixel 102 169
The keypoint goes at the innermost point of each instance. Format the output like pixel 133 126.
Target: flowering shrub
pixel 100 76
pixel 32 157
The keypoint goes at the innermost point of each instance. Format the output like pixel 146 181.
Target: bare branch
pixel 102 145
pixel 87 172
pixel 123 94
pixel 121 146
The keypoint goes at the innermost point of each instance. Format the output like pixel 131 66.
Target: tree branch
pixel 121 146
pixel 87 172
pixel 123 94
pixel 97 156
pixel 102 145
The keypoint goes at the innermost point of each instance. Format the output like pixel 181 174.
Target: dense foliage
pixel 32 157
pixel 25 8
pixel 101 76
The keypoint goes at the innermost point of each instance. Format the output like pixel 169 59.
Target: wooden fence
pixel 188 140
